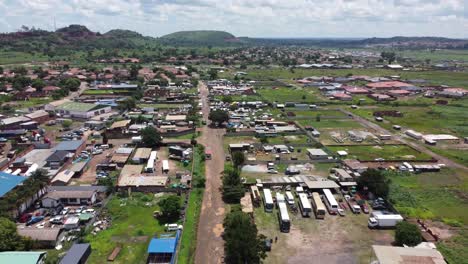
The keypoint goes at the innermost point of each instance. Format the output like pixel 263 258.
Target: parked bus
pixel 207 153
pixel 330 201
pixel 267 200
pixel 290 198
pixel 319 207
pixel 304 205
pixel 151 161
pixel 283 217
pixel 165 166
pixel 279 198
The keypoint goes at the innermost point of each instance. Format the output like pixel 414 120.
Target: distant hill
pixel 199 37
pixel 122 33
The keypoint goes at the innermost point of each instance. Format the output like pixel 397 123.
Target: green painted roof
pixel 81 107
pixel 23 257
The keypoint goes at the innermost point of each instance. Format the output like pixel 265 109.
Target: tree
pixel 317 118
pixel 1 70
pixel 151 137
pixel 9 238
pixel 233 190
pixel 389 56
pixel 407 234
pixel 243 244
pixel 374 181
pixel 71 84
pixel 227 99
pixel 38 84
pixel 170 207
pixel 218 116
pixel 238 158
pixel 213 74
pixel 127 104
pixel 67 123
pixel 134 72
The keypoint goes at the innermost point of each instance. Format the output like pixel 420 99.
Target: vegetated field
pixel 188 240
pixel 437 196
pixel 307 113
pixel 436 55
pixel 30 103
pixel 387 152
pixel 433 119
pixel 238 139
pixel 289 139
pixel 240 98
pixel 13 57
pixel 332 240
pixel 132 228
pixel 433 77
pixel 330 123
pixel 286 94
pixel 458 155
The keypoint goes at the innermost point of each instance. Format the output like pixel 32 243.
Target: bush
pixel 407 234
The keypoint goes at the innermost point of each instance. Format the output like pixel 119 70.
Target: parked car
pixel 341 212
pixel 65 211
pixel 35 219
pixel 57 220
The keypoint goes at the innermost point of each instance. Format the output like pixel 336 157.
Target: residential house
pixel 70 197
pixel 43 237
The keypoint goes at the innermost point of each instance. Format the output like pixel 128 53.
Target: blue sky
pixel 254 18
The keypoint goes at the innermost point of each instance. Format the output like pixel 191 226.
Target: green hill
pixel 199 37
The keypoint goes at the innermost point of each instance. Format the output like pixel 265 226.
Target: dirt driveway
pixel 209 241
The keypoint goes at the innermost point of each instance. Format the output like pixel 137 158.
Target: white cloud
pixel 265 18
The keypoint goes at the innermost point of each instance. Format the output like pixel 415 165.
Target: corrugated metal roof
pixel 75 254
pixel 21 257
pixel 8 182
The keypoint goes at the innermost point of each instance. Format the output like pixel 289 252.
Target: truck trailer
pixel 378 220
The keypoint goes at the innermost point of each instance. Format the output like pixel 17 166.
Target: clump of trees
pixel 151 137
pixel 127 104
pixel 170 207
pixel 389 56
pixel 374 181
pixel 218 117
pixel 407 234
pixel 10 240
pixel 233 189
pixel 243 244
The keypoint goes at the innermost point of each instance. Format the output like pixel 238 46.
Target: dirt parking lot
pixel 335 239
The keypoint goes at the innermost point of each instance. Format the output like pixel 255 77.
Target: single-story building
pixel 62 178
pixel 163 249
pixel 317 154
pixel 58 158
pixel 95 125
pixel 43 237
pixel 72 146
pixel 40 116
pixel 77 254
pixel 141 155
pixel 81 110
pixel 13 122
pixel 23 257
pixel 70 197
pixel 398 255
pixel 131 178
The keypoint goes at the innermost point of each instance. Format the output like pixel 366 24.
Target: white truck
pixel 353 205
pixel 379 220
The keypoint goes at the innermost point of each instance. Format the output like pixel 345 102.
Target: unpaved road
pixel 210 225
pixel 416 146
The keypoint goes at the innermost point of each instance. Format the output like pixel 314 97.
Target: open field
pixel 132 227
pixel 286 94
pixel 387 152
pixel 238 139
pixel 331 123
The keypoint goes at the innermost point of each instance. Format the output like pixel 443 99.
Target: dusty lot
pixel 332 240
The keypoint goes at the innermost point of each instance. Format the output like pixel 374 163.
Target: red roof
pixel 355 90
pixel 388 85
pixel 400 92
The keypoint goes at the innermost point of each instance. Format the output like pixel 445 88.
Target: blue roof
pixel 163 244
pixel 8 182
pixel 72 145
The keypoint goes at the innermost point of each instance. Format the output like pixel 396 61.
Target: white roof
pixel 317 152
pixel 398 255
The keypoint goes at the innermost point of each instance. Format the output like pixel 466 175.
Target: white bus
pixel 289 198
pixel 304 205
pixel 407 165
pixel 283 217
pixel 279 198
pixel 319 207
pixel 267 200
pixel 330 201
pixel 165 166
pixel 151 161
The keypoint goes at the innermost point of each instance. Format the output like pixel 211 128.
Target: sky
pixel 253 18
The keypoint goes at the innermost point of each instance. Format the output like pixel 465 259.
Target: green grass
pixel 433 77
pixel 457 155
pixel 286 94
pixel 132 227
pixel 455 249
pixel 160 106
pixel 331 123
pixel 387 152
pixel 188 240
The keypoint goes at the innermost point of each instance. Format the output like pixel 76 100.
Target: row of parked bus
pixel 318 207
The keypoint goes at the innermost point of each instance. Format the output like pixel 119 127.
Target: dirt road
pixel 399 137
pixel 209 241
